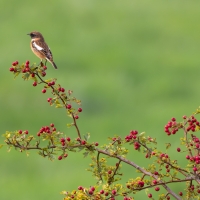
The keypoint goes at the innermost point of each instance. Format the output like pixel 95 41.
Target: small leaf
pixel 85 154
pixel 16 74
pixel 168 145
pixel 141 134
pixel 80 148
pixel 69 125
pixel 87 136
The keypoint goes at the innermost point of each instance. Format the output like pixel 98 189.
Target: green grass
pixel 134 65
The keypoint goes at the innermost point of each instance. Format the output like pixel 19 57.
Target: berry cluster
pixel 60 98
pixel 172 127
pixel 132 136
pixel 93 193
pixel 190 124
pixel 46 130
pixel 25 132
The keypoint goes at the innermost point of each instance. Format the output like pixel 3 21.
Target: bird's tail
pixel 54 65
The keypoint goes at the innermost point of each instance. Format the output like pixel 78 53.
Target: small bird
pixel 40 48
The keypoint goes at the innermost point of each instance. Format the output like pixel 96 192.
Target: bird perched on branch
pixel 40 48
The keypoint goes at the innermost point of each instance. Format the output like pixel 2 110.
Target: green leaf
pixel 85 154
pixel 80 148
pixel 16 74
pixel 168 145
pixel 59 106
pixel 26 76
pixel 87 136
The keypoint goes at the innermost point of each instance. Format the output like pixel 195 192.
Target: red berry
pixel 15 63
pixel 62 139
pixel 101 191
pixel 62 90
pixel 44 67
pixel 63 144
pixel 53 129
pixel 76 116
pixel 114 192
pixel 106 193
pixel 69 106
pixel 156 173
pixel 96 144
pixel 168 170
pixel 52 83
pixel 44 91
pixel 43 74
pixel 141 183
pixel 49 99
pixel 26 65
pixel 195 169
pixel 92 188
pixel 149 195
pixel 80 188
pixel 79 109
pixel 38 134
pixel 180 193
pixel 178 149
pixel 83 142
pixel 34 83
pixel 49 84
pixel 90 192
pixel 157 188
pixel 26 132
pixel 154 182
pixel 198 190
pixel 188 157
pixel 20 131
pixel 173 119
pixel 59 157
pixel 68 139
pixel 65 155
pixel 192 187
pixel 109 172
pixel 52 125
pixel 27 69
pixel 133 132
pixel 12 69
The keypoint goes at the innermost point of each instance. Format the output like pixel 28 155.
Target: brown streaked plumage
pixel 40 48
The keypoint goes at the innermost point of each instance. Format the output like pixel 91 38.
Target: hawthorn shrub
pixel 162 171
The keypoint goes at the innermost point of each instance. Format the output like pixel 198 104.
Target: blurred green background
pixel 134 65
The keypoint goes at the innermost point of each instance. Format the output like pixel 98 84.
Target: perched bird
pixel 40 48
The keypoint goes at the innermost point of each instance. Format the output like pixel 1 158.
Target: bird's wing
pixel 37 47
pixel 44 49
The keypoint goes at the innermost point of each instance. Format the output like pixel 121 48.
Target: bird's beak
pixel 28 33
